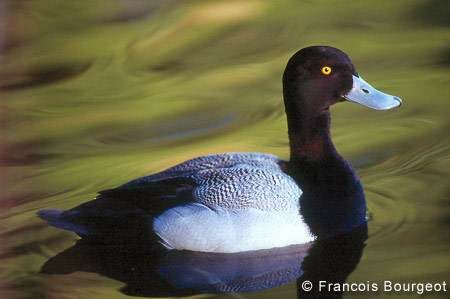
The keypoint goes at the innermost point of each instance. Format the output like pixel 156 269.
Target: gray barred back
pixel 235 181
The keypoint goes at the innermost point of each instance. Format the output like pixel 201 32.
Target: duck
pixel 244 201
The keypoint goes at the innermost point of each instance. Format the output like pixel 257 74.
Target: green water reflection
pixel 95 93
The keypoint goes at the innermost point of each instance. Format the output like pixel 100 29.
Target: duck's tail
pixel 57 219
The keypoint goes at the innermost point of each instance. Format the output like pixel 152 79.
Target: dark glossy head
pixel 319 76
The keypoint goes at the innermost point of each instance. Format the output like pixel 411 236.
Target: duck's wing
pixel 152 197
pixel 245 186
pixel 213 179
pixel 209 162
pixel 229 180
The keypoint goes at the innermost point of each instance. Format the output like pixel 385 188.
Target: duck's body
pixel 227 202
pixel 235 202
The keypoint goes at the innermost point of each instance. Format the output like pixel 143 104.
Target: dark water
pixel 95 93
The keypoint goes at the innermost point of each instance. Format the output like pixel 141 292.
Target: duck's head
pixel 319 76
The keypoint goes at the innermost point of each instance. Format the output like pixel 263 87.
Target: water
pixel 96 93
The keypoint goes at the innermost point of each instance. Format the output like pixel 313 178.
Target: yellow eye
pixel 326 70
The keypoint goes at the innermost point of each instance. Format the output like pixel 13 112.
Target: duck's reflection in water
pixel 180 273
pixel 331 260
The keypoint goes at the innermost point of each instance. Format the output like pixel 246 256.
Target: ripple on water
pixel 44 75
pixel 404 193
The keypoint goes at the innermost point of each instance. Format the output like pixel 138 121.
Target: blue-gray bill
pixel 365 94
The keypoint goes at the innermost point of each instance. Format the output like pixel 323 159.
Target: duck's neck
pixel 333 198
pixel 309 136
